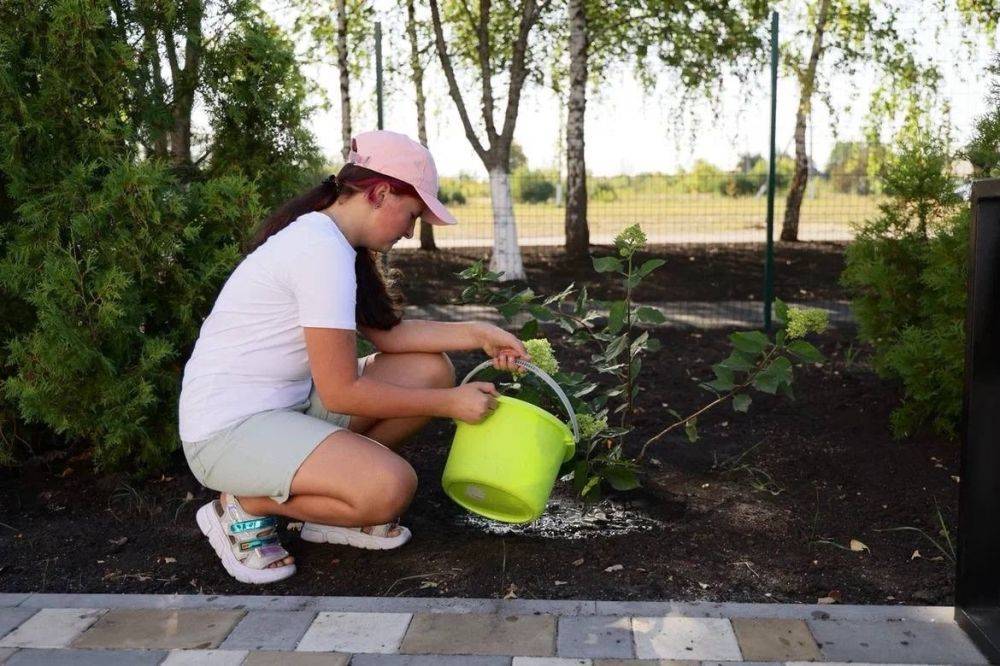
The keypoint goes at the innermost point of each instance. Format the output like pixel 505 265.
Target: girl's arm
pixel 334 367
pixel 415 335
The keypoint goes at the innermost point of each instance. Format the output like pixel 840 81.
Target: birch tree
pixel 838 38
pixel 698 40
pixel 417 76
pixel 494 40
pixel 344 35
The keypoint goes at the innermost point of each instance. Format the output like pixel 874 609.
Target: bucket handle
pixel 541 374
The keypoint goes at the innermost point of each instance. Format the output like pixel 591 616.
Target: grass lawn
pixel 826 216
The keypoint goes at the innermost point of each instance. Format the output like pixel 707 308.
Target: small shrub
pixel 907 272
pixel 119 264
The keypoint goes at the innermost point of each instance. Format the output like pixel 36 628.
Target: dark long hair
pixel 377 302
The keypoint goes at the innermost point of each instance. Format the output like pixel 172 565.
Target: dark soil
pixel 802 271
pixel 834 475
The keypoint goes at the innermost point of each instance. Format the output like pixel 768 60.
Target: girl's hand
pixel 472 402
pixel 503 347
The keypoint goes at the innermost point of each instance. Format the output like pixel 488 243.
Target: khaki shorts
pixel 258 456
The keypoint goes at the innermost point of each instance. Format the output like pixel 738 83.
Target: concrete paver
pixel 594 636
pixel 13 598
pixel 204 658
pixel 55 657
pixel 517 635
pixel 223 630
pixel 297 659
pixel 355 632
pixel 52 628
pixel 697 638
pixel 775 640
pixel 160 629
pixel 646 662
pixel 904 642
pixel 427 660
pixel 11 618
pixel 269 630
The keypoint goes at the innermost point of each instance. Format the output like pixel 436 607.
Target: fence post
pixel 378 71
pixel 771 174
pixel 977 575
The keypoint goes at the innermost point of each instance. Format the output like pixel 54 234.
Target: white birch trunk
pixel 506 251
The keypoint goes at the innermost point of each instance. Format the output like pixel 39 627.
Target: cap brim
pixel 436 213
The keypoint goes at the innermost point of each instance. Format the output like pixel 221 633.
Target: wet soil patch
pixel 762 508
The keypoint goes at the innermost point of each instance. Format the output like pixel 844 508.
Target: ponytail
pixel 377 301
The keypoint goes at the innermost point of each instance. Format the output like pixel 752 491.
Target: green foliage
pixel 119 264
pixel 614 332
pixel 533 186
pixel 854 165
pixel 108 260
pixel 256 102
pixel 984 149
pixel 907 270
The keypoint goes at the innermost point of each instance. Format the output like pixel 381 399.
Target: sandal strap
pixel 262 557
pixel 380 530
pixel 254 539
pixel 250 544
pixel 254 524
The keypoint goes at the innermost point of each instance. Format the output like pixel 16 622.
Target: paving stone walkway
pixel 98 629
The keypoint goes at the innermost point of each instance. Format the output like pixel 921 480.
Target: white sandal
pixel 375 537
pixel 246 544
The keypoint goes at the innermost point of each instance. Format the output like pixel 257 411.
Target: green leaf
pixel 739 361
pixel 649 266
pixel 691 430
pixel 616 316
pixel 638 343
pixel 674 413
pixel 770 378
pixel 650 315
pixel 529 330
pixel 607 264
pixel 561 295
pixel 741 402
pixel 581 303
pixel 752 342
pixel 806 351
pixel 615 348
pixel 780 311
pixel 723 378
pixel 653 345
pixel 541 313
pixel 621 478
pixel 580 475
pixel 508 310
pixel 591 482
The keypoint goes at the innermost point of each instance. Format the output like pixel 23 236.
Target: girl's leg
pixel 413 370
pixel 349 481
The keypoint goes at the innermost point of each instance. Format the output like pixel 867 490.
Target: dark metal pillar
pixel 769 250
pixel 977 578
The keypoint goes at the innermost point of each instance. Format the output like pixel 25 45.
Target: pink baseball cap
pixel 399 156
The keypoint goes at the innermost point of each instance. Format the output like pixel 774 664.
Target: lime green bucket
pixel 504 467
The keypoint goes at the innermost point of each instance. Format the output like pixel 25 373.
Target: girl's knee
pixel 439 371
pixel 393 496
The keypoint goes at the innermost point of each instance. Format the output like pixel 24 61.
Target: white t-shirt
pixel 251 353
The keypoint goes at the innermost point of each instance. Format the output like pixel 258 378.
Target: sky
pixel 630 130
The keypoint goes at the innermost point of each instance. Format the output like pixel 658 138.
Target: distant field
pixel 666 217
